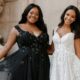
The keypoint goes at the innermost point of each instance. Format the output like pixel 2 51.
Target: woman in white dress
pixel 65 64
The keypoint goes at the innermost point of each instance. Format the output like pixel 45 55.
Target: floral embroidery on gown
pixel 65 65
pixel 36 64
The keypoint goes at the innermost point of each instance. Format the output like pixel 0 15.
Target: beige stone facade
pixel 13 9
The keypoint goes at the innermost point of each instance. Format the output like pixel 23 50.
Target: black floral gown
pixel 35 66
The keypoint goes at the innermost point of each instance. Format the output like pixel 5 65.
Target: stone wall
pixel 12 9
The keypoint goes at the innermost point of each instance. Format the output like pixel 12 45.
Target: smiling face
pixel 33 15
pixel 70 17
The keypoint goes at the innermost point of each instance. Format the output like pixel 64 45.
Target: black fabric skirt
pixel 5 75
pixel 11 62
pixel 33 67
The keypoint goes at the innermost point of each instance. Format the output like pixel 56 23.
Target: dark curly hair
pixel 75 26
pixel 40 23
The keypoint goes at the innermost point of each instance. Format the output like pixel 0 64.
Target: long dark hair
pixel 75 26
pixel 40 23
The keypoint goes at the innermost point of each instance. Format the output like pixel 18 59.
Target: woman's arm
pixel 77 47
pixel 10 42
pixel 51 49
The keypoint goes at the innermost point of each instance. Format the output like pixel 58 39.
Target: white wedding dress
pixel 65 65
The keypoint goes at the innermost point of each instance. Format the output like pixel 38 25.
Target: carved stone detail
pixel 1 5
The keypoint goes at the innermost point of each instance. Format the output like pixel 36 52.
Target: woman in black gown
pixel 30 32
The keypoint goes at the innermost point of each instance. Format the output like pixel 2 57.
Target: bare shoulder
pixel 77 44
pixel 77 47
pixel 14 31
pixel 77 41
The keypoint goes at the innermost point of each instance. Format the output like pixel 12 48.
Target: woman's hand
pixel 51 49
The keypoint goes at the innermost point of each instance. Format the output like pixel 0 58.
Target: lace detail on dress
pixel 65 64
